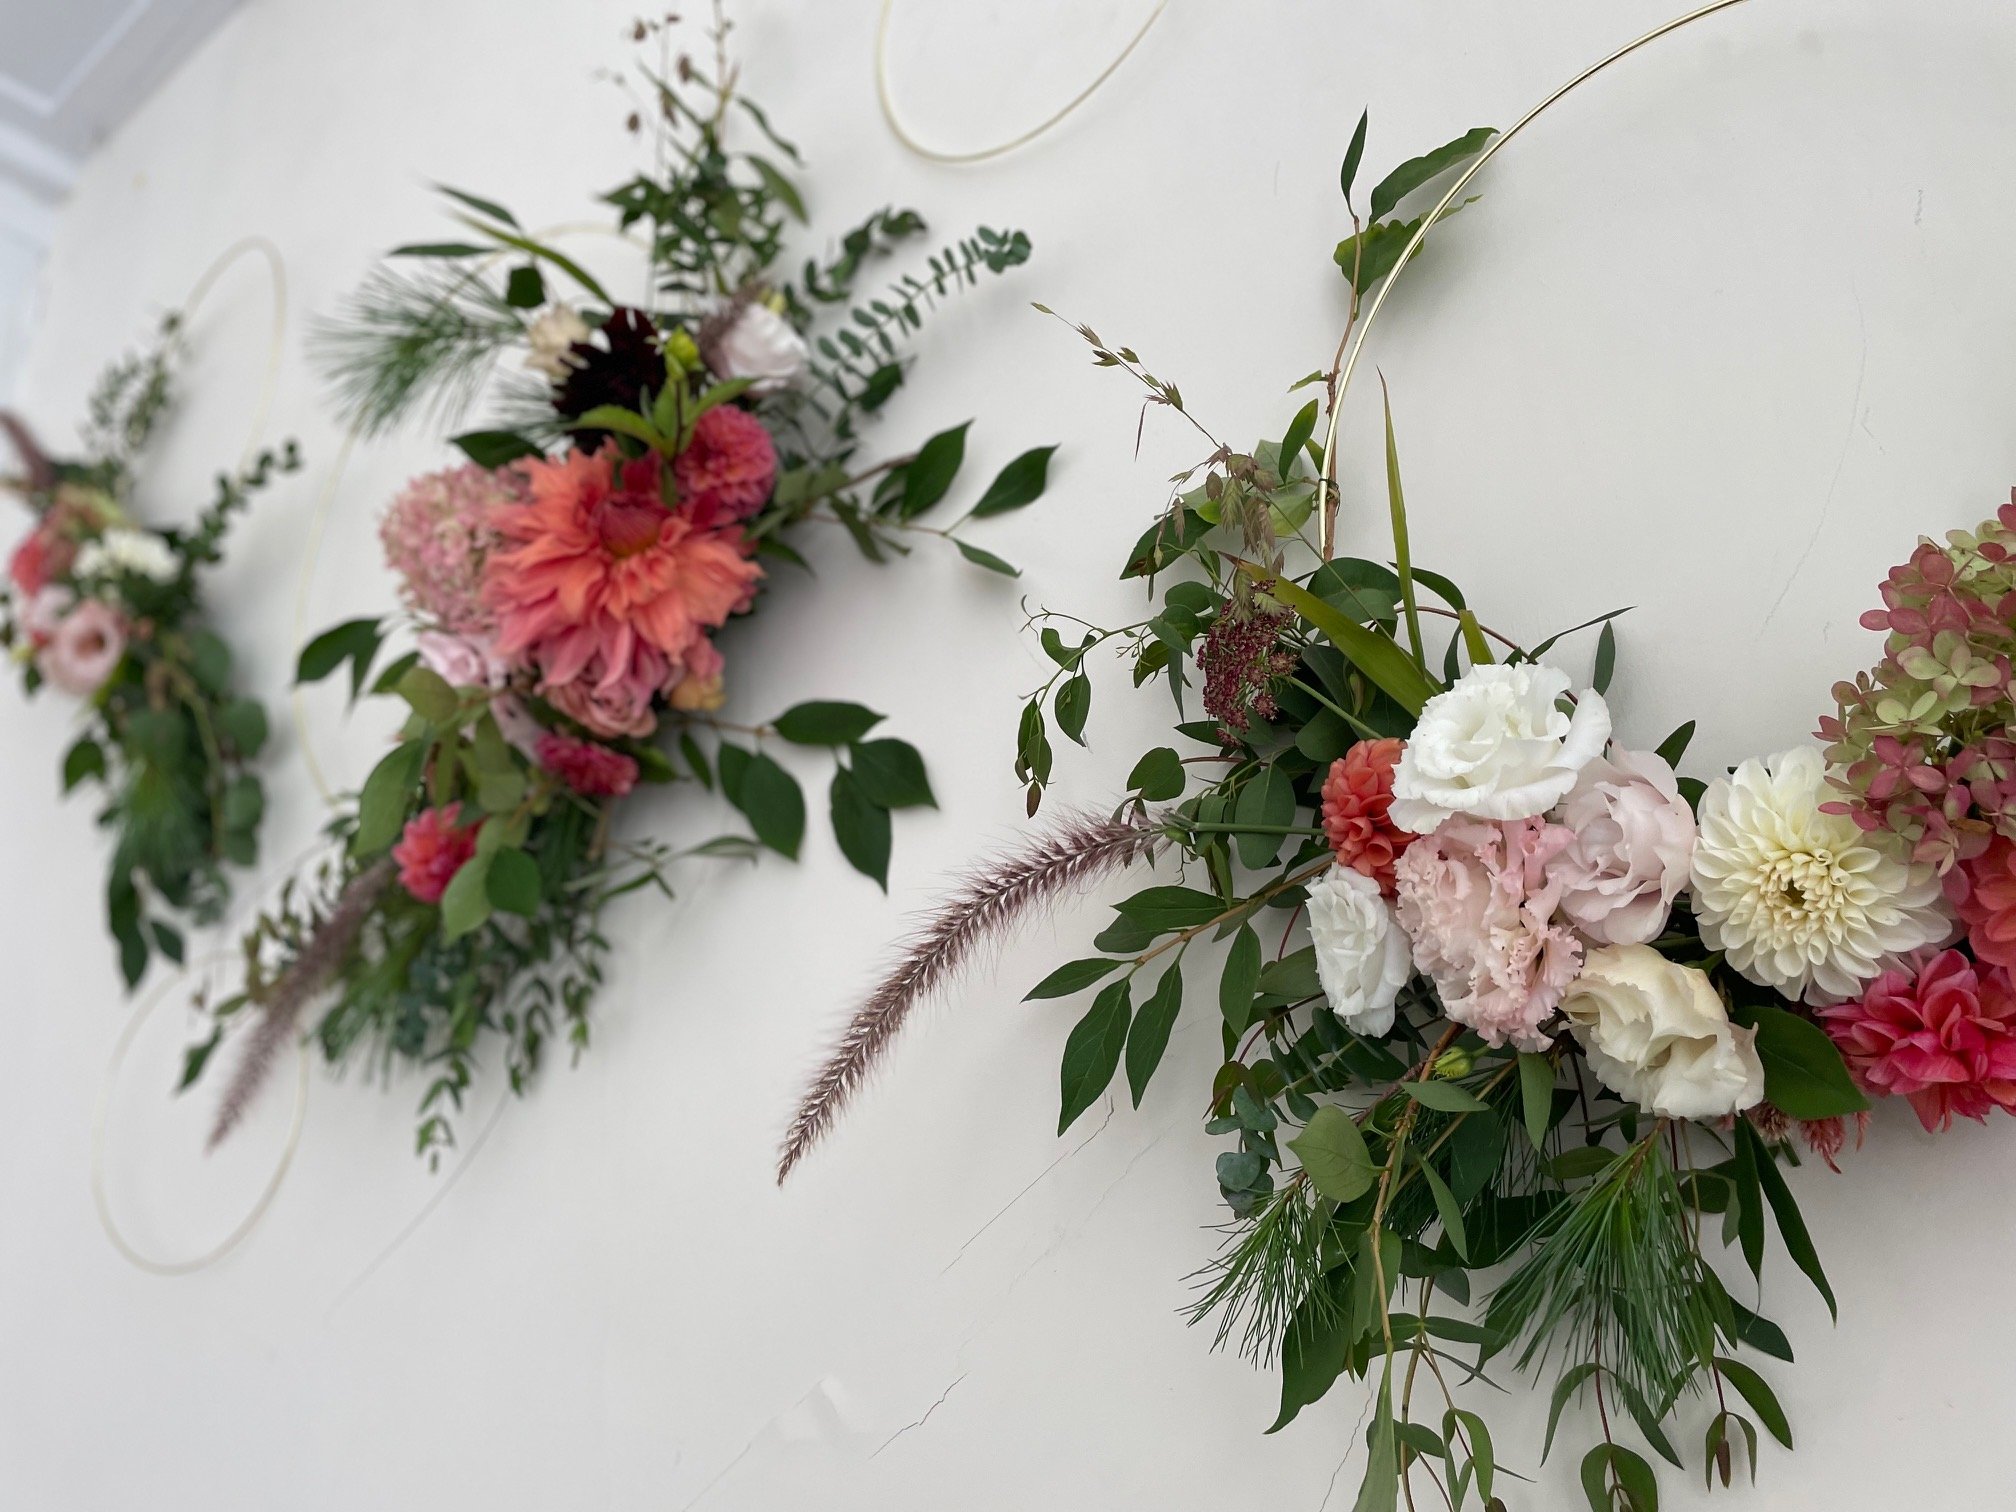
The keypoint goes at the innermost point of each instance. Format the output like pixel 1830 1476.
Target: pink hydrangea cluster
pixel 1478 900
pixel 1906 737
pixel 436 536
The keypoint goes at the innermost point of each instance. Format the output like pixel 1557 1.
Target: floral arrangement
pixel 571 585
pixel 109 611
pixel 1515 1017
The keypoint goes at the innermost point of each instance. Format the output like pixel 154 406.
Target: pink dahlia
pixel 726 470
pixel 604 591
pixel 1356 796
pixel 432 850
pixel 436 535
pixel 1478 900
pixel 1982 891
pixel 1945 1041
pixel 592 770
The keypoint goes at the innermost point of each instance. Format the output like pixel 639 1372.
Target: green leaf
pixel 1443 1097
pixel 1018 484
pixel 196 1057
pixel 1092 1053
pixel 490 208
pixel 466 903
pixel 495 448
pixel 438 249
pixel 525 289
pixel 428 694
pixel 1073 976
pixel 1750 1197
pixel 1353 154
pixel 929 475
pixel 513 883
pixel 244 803
pixel 1674 746
pixel 1332 1151
pixel 1397 674
pixel 987 559
pixel 1267 801
pixel 1241 979
pixel 1158 776
pixel 1791 1226
pixel 1074 706
pixel 243 723
pixel 1606 658
pixel 771 797
pixel 1380 1490
pixel 1536 1096
pixel 1757 1392
pixel 1313 1351
pixel 1446 1207
pixel 1293 977
pixel 1171 907
pixel 1415 172
pixel 861 826
pixel 613 417
pixel 355 641
pixel 1563 1390
pixel 781 188
pixel 209 660
pixel 1804 1075
pixel 825 723
pixel 83 760
pixel 892 774
pixel 382 803
pixel 1641 1488
pixel 1300 429
pixel 1149 1036
pixel 733 764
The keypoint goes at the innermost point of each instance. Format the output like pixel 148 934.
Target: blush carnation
pixel 1634 845
pixel 592 770
pixel 432 850
pixel 1477 899
pixel 436 536
pixel 1945 1041
pixel 726 470
pixel 1356 796
pixel 605 592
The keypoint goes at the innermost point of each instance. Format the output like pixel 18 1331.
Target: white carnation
pixel 1658 1033
pixel 1362 958
pixel 1801 901
pixel 122 550
pixel 757 343
pixel 1496 745
pixel 552 338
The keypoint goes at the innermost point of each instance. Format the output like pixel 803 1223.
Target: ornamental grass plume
pixel 1078 850
pixel 314 966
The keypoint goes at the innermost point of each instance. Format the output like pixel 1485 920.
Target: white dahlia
pixel 1802 901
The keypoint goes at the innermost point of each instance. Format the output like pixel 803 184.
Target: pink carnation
pixel 590 769
pixel 1945 1040
pixel 436 536
pixel 42 556
pixel 432 850
pixel 726 470
pixel 1477 899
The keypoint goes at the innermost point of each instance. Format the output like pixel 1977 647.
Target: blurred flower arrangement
pixel 1514 1016
pixel 109 611
pixel 644 485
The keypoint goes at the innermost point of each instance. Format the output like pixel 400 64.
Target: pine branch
pixel 1080 850
pixel 404 342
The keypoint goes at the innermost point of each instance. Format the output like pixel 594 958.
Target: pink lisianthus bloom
pixel 1478 900
pixel 462 661
pixel 603 590
pixel 1634 845
pixel 436 535
pixel 84 648
pixel 1944 1040
pixel 592 770
pixel 725 472
pixel 431 850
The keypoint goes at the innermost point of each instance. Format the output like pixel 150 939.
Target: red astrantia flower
pixel 432 850
pixel 726 470
pixel 1946 1041
pixel 592 770
pixel 1356 796
pixel 1982 891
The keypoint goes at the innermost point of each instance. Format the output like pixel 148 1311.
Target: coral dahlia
pixel 603 590
pixel 1945 1040
pixel 1356 796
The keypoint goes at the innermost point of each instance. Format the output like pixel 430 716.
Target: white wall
pixel 1722 337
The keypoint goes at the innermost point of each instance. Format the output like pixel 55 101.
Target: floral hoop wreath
pixel 1559 1005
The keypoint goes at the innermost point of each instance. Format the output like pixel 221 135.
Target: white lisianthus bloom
pixel 1634 843
pixel 1496 745
pixel 1658 1033
pixel 552 337
pixel 1801 901
pixel 125 550
pixel 754 341
pixel 1362 958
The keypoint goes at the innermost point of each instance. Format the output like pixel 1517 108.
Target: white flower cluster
pixel 123 550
